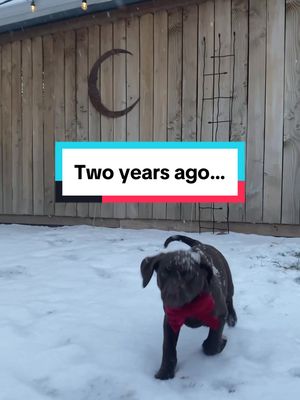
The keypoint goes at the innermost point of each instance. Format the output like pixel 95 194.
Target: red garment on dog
pixel 201 308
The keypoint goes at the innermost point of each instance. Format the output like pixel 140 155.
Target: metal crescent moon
pixel 94 93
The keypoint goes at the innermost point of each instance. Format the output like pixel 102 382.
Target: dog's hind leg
pixel 231 317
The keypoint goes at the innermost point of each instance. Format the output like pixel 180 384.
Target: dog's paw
pixel 231 320
pixel 211 349
pixel 165 373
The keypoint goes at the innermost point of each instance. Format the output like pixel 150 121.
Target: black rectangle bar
pixel 59 198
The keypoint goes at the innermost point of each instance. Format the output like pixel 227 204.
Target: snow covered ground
pixel 75 323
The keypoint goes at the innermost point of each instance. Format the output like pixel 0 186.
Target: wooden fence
pixel 44 97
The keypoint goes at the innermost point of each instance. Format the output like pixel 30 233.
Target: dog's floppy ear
pixel 148 265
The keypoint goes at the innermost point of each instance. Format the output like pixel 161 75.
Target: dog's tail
pixel 180 238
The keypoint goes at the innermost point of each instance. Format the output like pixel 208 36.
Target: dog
pixel 196 289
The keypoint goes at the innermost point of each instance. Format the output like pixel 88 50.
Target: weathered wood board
pixel 160 101
pixel 175 47
pixel 174 89
pixel 256 109
pixel 274 111
pixel 291 148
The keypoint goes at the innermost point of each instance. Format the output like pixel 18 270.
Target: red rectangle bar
pixel 240 198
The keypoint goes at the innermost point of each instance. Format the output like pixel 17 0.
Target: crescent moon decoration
pixel 94 93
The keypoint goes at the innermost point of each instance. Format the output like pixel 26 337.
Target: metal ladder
pixel 216 75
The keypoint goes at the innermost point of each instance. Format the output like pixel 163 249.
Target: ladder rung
pixel 227 55
pixel 211 208
pixel 217 122
pixel 219 97
pixel 216 73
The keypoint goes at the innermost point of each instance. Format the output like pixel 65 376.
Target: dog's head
pixel 181 275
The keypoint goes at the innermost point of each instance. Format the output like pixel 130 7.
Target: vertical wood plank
pixel 70 99
pixel 256 109
pixel 160 90
pixel 146 91
pixel 27 126
pixel 174 88
pixel 239 73
pixel 82 99
pixel 1 135
pixel 291 149
pixel 119 85
pixel 48 126
pixel 6 128
pixel 38 132
pixel 239 106
pixel 222 85
pixel 223 64
pixel 133 91
pixel 17 172
pixel 107 125
pixel 59 99
pixel 94 116
pixel 189 89
pixel 206 33
pixel 274 111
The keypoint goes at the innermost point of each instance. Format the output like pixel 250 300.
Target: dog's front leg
pixel 169 359
pixel 215 341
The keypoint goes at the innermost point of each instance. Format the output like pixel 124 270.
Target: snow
pixel 76 324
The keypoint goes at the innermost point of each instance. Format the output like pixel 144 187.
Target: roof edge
pixel 64 15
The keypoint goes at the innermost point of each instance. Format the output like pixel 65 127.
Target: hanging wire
pixel 32 4
pixel 5 1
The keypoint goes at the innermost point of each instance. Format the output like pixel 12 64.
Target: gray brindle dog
pixel 183 276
